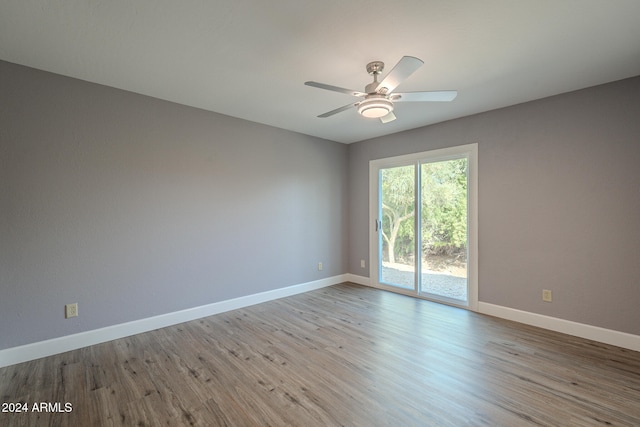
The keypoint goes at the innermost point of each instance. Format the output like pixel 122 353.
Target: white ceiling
pixel 250 58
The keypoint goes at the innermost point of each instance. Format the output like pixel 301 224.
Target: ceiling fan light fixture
pixel 375 107
pixel 378 98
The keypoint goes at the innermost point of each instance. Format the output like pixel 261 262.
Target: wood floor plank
pixel 346 355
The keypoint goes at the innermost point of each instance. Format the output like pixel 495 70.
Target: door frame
pixel 470 151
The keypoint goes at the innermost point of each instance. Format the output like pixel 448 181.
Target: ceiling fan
pixel 379 97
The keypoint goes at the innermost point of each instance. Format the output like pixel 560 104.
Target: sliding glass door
pixel 423 215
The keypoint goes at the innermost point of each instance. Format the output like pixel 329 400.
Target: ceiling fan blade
pixel 338 110
pixel 335 88
pixel 388 118
pixel 403 69
pixel 435 96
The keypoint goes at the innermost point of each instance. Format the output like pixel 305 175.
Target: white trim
pixel 360 280
pixel 595 333
pixel 40 349
pixel 52 346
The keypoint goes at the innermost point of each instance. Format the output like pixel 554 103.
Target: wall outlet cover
pixel 71 310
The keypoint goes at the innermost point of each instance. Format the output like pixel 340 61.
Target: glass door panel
pixel 396 242
pixel 443 229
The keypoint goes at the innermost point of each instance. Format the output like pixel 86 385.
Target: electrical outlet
pixel 362 264
pixel 319 266
pixel 546 295
pixel 71 310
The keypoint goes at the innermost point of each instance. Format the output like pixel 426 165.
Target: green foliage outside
pixel 398 210
pixel 444 210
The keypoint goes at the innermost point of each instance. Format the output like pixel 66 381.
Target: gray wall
pixel 134 207
pixel 559 202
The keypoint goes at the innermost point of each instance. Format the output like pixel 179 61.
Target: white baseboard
pixel 36 350
pixel 40 349
pixel 360 280
pixel 595 333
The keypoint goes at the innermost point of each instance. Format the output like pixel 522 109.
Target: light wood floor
pixel 344 355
